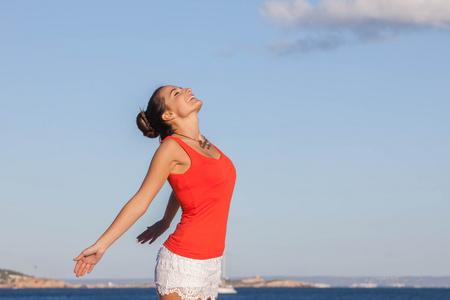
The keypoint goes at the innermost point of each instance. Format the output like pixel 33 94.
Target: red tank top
pixel 204 192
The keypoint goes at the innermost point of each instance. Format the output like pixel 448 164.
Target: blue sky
pixel 337 124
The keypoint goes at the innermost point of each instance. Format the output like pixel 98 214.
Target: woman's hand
pixel 152 232
pixel 88 259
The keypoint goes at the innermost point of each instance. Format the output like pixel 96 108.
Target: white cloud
pixel 344 13
pixel 364 20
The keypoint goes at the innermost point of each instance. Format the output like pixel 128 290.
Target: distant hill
pixel 260 282
pixel 4 275
pixel 374 281
pixel 12 279
pixel 15 280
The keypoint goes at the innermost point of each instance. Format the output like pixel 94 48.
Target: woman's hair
pixel 150 121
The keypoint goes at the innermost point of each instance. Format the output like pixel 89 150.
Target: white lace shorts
pixel 191 279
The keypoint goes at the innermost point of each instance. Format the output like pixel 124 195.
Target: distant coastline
pixel 15 280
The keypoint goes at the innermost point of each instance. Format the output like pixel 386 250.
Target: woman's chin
pixel 199 105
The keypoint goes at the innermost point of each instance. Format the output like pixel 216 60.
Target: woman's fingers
pixel 144 240
pixel 91 268
pixel 79 261
pixel 151 234
pixel 143 235
pixel 140 237
pixel 80 268
pixel 77 266
pixel 154 237
pixel 80 271
pixel 86 267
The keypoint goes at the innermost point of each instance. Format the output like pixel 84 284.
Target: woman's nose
pixel 188 90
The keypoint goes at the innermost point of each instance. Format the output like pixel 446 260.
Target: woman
pixel 202 179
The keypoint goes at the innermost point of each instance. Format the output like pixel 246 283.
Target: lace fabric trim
pixel 187 293
pixel 191 279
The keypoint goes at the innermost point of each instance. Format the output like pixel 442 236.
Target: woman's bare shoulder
pixel 170 148
pixel 169 144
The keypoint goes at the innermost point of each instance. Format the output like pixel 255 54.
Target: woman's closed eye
pixel 177 93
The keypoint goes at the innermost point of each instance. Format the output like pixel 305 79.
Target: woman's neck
pixel 189 127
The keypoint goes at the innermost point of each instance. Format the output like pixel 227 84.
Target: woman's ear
pixel 168 116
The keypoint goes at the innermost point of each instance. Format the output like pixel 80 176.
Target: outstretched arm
pixel 162 164
pixel 154 231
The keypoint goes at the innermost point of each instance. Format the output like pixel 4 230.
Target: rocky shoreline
pixel 258 282
pixel 15 280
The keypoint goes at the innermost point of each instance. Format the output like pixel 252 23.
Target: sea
pixel 242 294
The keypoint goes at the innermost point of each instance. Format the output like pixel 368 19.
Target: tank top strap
pixel 191 152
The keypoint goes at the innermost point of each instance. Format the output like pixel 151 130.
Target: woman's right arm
pixel 163 162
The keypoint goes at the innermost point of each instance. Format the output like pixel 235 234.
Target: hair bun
pixel 144 125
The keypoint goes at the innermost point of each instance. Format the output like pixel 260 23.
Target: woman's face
pixel 180 102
